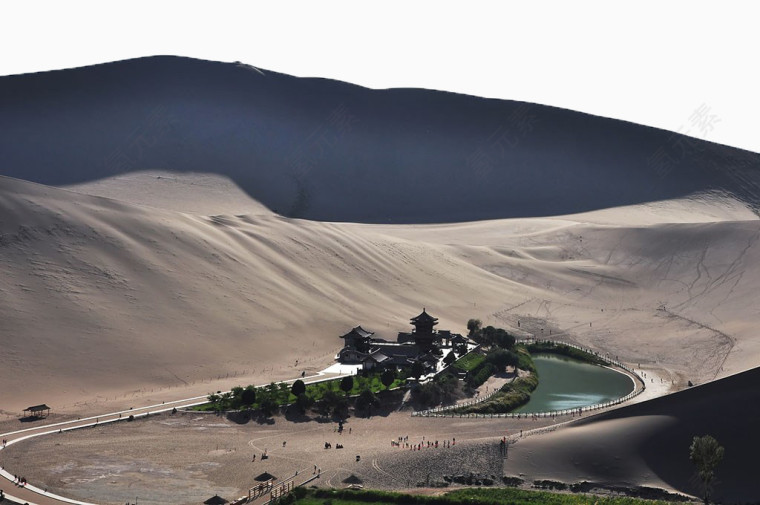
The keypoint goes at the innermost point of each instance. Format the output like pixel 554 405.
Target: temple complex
pixel 423 344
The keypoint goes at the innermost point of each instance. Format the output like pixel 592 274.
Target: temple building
pixel 423 344
pixel 423 335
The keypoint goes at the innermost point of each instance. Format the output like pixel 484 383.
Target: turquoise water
pixel 566 383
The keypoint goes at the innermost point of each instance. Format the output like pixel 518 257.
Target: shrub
pixel 512 481
pixel 549 484
pixel 501 358
pixel 565 350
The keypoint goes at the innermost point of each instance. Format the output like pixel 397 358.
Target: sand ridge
pixel 147 303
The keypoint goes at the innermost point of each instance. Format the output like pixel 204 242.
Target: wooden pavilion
pixel 37 411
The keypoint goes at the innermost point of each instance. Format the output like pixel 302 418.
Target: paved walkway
pixel 34 495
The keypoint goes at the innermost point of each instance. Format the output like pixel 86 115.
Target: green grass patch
pixel 510 396
pixel 525 361
pixel 469 361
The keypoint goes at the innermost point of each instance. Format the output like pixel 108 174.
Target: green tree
pixel 347 384
pixel 268 403
pixel 450 358
pixel 387 378
pixel 298 388
pixel 226 401
pixel 248 396
pixel 214 398
pixel 283 392
pixel 473 326
pixel 331 401
pixel 366 401
pixel 706 453
pixel 501 358
pixel 304 402
pixel 417 369
pixel 503 339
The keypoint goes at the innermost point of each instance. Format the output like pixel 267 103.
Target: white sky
pixel 655 64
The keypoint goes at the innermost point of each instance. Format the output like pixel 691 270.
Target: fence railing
pixel 448 410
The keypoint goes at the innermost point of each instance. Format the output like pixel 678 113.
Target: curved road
pixel 34 495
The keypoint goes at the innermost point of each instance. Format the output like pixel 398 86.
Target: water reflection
pixel 567 383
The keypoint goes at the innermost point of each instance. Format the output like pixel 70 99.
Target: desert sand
pixel 131 299
pixel 146 298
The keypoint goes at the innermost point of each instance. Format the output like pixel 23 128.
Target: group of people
pixel 264 455
pixel 404 442
pixel 328 445
pixel 19 481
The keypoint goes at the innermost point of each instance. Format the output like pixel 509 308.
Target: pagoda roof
pixel 377 357
pixel 391 349
pixel 358 332
pixel 424 317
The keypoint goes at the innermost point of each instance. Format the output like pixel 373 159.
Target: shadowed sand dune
pixel 648 443
pixel 328 150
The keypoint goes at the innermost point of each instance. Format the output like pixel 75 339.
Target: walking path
pixel 34 495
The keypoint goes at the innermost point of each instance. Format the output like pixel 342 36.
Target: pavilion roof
pixel 215 500
pixel 263 477
pixel 358 332
pixel 424 317
pixel 38 408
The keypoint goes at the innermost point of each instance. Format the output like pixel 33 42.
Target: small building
pixel 351 355
pixel 37 411
pixel 375 360
pixel 358 338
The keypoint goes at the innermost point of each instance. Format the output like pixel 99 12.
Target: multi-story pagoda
pixel 424 335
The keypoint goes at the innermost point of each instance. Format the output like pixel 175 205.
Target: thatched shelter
pixel 215 500
pixel 352 479
pixel 264 477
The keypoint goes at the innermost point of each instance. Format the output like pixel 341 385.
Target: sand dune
pixel 143 298
pixel 327 150
pixel 648 443
pixel 164 260
pixel 204 194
